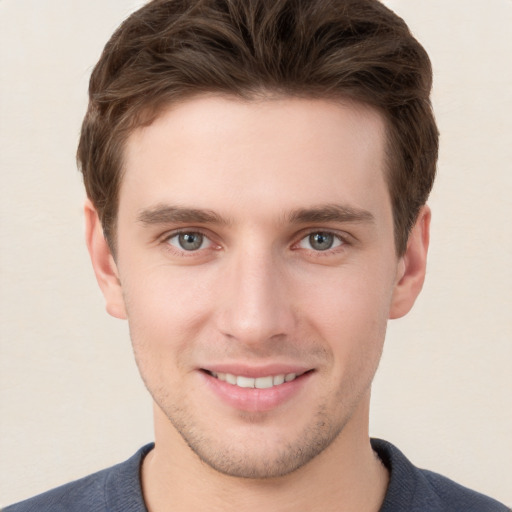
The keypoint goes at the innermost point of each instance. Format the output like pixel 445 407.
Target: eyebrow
pixel 164 214
pixel 330 213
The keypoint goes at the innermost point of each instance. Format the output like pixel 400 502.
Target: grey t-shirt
pixel 118 489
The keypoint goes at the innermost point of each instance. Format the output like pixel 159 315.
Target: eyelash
pixel 342 239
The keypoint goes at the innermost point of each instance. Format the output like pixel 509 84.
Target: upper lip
pixel 256 371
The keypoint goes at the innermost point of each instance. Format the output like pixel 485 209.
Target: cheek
pixel 166 310
pixel 350 312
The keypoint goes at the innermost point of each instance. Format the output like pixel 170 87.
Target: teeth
pixel 230 379
pixel 259 382
pixel 244 382
pixel 263 382
pixel 278 379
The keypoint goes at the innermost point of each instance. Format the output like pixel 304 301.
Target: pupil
pixel 190 241
pixel 321 241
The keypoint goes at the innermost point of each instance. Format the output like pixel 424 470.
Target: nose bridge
pixel 254 302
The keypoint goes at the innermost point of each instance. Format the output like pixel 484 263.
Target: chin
pixel 257 451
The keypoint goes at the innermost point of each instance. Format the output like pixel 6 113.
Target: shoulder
pixel 113 489
pixel 417 490
pixel 84 494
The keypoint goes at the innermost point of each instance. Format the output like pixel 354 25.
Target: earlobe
pixel 103 263
pixel 412 266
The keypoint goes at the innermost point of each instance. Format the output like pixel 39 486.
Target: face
pixel 257 268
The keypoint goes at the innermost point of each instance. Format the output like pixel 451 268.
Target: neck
pixel 346 476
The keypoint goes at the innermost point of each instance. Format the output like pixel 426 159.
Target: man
pixel 257 175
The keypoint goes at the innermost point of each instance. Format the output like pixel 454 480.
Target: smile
pixel 256 389
pixel 257 382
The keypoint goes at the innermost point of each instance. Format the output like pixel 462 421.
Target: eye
pixel 321 241
pixel 189 241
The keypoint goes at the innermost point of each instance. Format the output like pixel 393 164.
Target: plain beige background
pixel 71 401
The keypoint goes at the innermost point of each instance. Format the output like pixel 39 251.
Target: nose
pixel 254 301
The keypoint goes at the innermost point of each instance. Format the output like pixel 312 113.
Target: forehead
pixel 225 154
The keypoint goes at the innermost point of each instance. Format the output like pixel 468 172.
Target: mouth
pixel 257 390
pixel 264 382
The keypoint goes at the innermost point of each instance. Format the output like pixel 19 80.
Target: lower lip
pixel 253 399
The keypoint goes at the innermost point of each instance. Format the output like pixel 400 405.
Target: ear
pixel 103 263
pixel 412 266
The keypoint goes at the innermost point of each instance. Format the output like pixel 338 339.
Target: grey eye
pixel 191 241
pixel 321 241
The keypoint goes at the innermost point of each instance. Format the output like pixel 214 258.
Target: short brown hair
pixel 173 49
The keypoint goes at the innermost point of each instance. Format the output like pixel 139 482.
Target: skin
pixel 253 182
